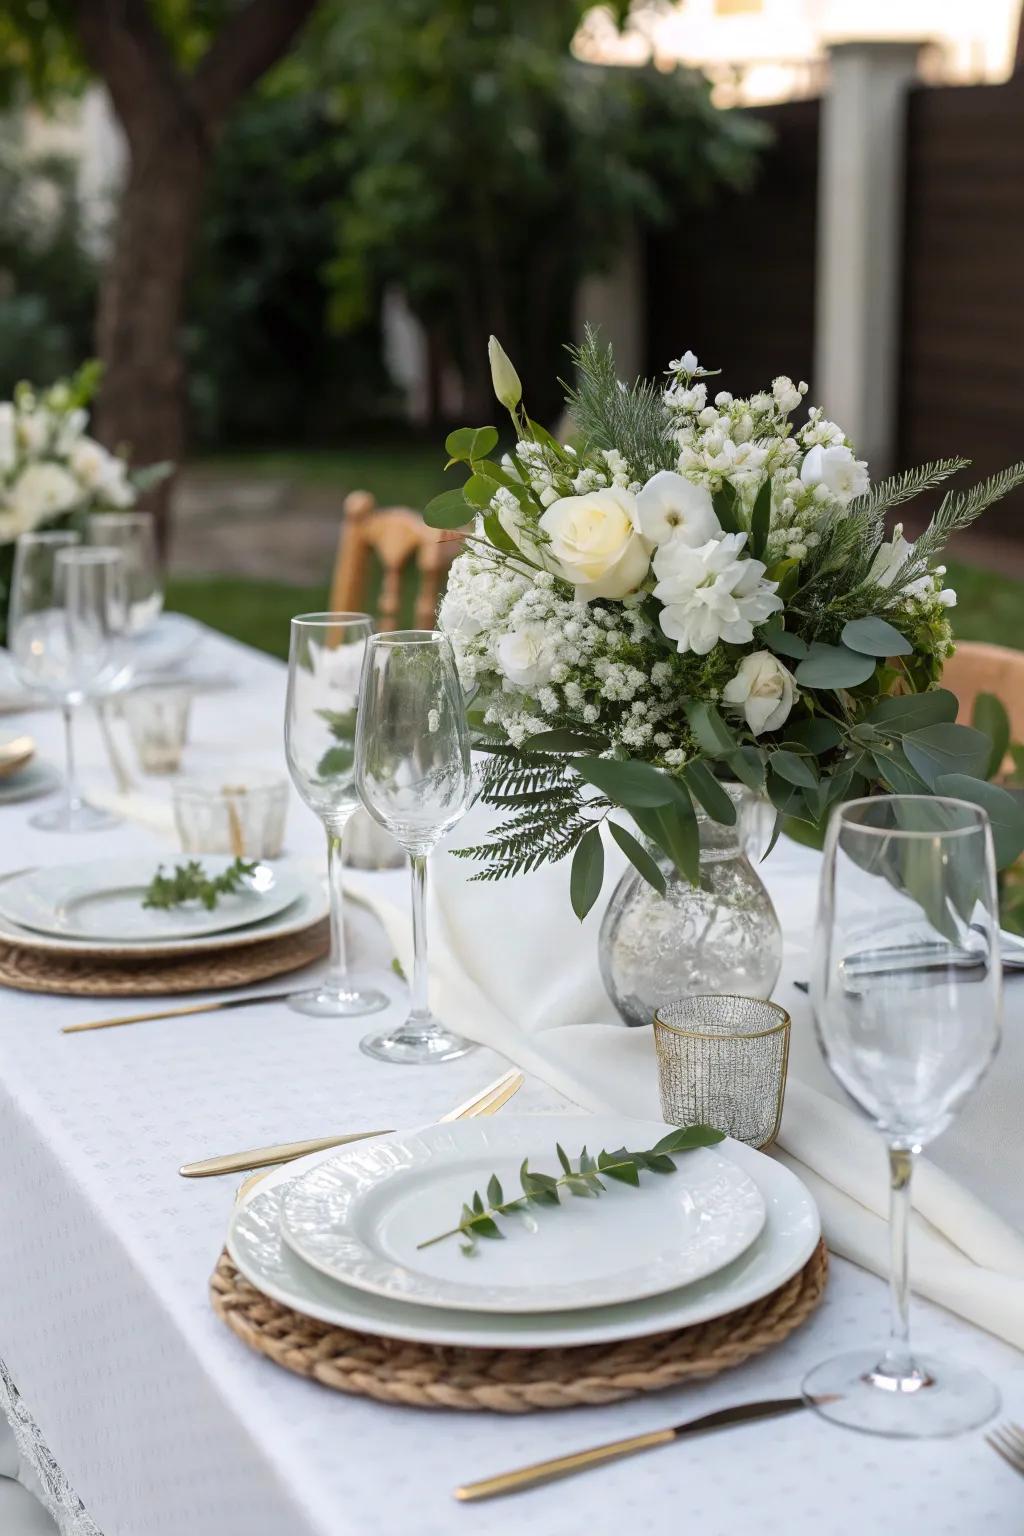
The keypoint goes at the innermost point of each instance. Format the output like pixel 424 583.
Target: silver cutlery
pixel 613 1450
pixel 486 1102
pixel 1007 1440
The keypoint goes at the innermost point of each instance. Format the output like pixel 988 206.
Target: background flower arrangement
pixel 696 589
pixel 52 473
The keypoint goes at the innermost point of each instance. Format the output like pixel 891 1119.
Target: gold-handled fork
pixel 1007 1440
pixel 485 1102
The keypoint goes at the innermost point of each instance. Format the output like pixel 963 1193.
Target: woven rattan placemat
pixel 33 970
pixel 510 1380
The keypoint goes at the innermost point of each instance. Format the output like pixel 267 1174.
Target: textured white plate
pixel 787 1241
pixel 309 907
pixel 36 778
pixel 102 899
pixel 361 1216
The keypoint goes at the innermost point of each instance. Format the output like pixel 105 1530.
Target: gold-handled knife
pixel 598 1455
pixel 485 1102
pixel 217 1005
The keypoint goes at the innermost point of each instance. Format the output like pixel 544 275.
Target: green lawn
pixel 398 473
pixel 257 612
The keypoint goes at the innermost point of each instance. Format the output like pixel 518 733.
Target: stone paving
pixel 264 527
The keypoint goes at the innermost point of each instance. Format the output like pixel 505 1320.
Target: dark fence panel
pixel 735 281
pixel 963 310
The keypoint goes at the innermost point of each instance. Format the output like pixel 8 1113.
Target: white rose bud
pixel 504 378
pixel 764 690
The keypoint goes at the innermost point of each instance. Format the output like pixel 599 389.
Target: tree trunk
pixel 142 400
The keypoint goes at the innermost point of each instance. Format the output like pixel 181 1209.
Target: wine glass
pixel 324 666
pixel 907 981
pixel 413 776
pixel 134 534
pixel 67 622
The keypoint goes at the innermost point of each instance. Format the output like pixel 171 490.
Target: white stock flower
pixel 8 445
pixel 41 491
pixel 524 655
pixel 764 690
pixel 890 558
pixel 837 470
pixel 33 430
pixel 712 593
pixel 671 507
pixel 595 543
pixel 787 395
pixel 686 364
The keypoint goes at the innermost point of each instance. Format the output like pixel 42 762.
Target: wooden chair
pixel 396 535
pixel 979 668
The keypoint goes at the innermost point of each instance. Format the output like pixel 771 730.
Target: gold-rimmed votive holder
pixel 722 1061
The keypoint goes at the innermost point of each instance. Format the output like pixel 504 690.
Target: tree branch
pixel 245 48
pixel 124 46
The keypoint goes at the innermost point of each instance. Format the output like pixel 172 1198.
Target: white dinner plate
pixel 786 1242
pixel 166 644
pixel 363 1215
pixel 102 899
pixel 35 779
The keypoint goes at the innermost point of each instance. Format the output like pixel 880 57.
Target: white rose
pixel 40 492
pixel 671 507
pixel 524 656
pixel 764 690
pixel 91 462
pixel 596 543
pixel 837 470
pixel 8 445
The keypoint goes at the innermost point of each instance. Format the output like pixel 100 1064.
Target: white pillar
pixel 860 235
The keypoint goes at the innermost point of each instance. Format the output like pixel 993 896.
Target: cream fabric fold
pixel 513 969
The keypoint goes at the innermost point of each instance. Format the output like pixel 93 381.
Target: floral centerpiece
pixel 697 589
pixel 52 473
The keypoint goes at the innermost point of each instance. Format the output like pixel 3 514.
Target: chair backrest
pixel 979 668
pixel 396 535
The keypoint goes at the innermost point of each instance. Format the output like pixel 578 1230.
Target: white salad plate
pixel 364 1216
pixel 784 1245
pixel 166 643
pixel 101 899
pixel 36 778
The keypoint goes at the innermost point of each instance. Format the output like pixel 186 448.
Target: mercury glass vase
pixel 719 936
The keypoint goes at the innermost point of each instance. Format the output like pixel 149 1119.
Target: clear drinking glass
pixel 906 989
pixel 324 667
pixel 413 776
pixel 134 534
pixel 67 641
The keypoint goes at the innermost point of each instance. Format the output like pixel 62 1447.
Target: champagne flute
pixel 324 665
pixel 906 990
pixel 134 534
pixel 67 640
pixel 413 776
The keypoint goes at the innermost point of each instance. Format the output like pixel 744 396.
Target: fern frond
pixel 609 414
pixel 525 843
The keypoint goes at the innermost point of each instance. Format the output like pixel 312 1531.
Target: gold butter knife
pixel 598 1455
pixel 485 1102
pixel 182 1011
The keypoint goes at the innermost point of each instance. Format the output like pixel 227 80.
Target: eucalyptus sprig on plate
pixel 583 1178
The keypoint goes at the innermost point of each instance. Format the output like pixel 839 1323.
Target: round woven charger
pixel 510 1380
pixel 33 970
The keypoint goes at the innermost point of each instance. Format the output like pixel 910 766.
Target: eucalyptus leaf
pixel 896 773
pixel 498 535
pixel 913 711
pixel 947 748
pixel 833 666
pixel 479 491
pixel 875 637
pixel 627 782
pixel 587 874
pixel 794 769
pixel 713 735
pixel 748 764
pixel 564 741
pixel 1005 812
pixel 989 716
pixel 638 856
pixel 816 735
pixel 449 510
pixel 674 828
pixel 782 642
pixel 708 792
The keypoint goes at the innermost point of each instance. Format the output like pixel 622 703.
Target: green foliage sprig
pixel 583 1178
pixel 190 882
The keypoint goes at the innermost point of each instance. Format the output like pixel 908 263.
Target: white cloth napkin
pixel 512 968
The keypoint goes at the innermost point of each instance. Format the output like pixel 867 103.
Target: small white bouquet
pixel 695 589
pixel 51 471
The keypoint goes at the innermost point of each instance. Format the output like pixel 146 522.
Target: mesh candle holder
pixel 722 1062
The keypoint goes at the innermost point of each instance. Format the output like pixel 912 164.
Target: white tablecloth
pixel 167 1426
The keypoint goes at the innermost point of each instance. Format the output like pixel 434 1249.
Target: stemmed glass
pixel 67 622
pixel 906 990
pixel 413 776
pixel 324 666
pixel 134 534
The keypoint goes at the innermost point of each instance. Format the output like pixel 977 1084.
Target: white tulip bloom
pixel 524 656
pixel 712 593
pixel 835 469
pixel 670 506
pixel 764 690
pixel 596 544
